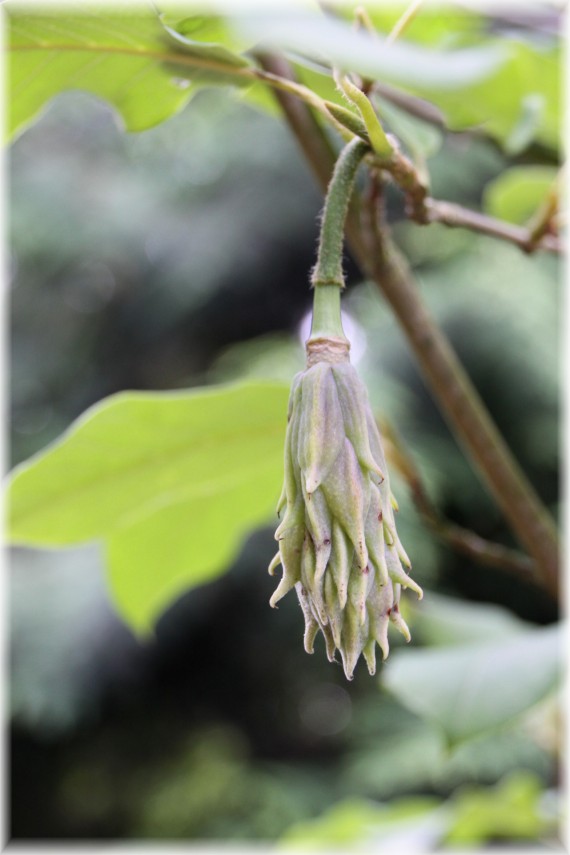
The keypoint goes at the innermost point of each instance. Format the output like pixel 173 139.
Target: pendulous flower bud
pixel 338 543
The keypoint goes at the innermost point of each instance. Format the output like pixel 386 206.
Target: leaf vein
pixel 177 58
pixel 84 486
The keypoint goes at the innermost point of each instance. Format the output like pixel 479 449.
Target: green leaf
pixel 171 481
pixel 430 27
pixel 210 30
pixel 357 821
pixel 396 751
pixel 528 124
pixel 477 687
pixel 319 38
pixel 125 55
pixel 517 104
pixel 160 555
pixel 510 811
pixel 442 621
pixel 518 192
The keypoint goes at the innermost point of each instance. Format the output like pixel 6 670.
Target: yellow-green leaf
pixel 518 192
pixel 171 481
pixel 125 55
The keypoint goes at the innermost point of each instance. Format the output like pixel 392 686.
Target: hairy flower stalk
pixel 338 543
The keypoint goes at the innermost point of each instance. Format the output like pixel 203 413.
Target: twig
pixel 459 401
pixel 303 92
pixel 410 103
pixel 424 210
pixel 421 208
pixel 543 222
pixel 314 144
pixel 413 105
pixel 486 552
pixel 461 539
pixel 455 216
pixel 406 18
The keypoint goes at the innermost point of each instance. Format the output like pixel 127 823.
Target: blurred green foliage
pixel 180 257
pixel 518 193
pixel 475 816
pixel 518 101
pixel 357 823
pixel 469 689
pixel 510 811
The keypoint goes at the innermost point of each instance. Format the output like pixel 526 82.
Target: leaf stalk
pixel 328 278
pixel 452 388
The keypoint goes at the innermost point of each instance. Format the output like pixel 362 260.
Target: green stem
pixel 327 320
pixel 328 278
pixel 451 386
pixel 328 269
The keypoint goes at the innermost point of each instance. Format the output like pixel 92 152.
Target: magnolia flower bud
pixel 338 543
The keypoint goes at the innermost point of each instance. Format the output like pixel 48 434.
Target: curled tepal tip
pixel 311 630
pixel 338 542
pixel 369 653
pixel 283 588
pixel 275 562
pixel 400 624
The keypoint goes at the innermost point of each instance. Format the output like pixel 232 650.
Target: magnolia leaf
pixel 455 27
pixel 144 69
pixel 528 125
pixel 477 687
pixel 518 104
pixel 324 39
pixel 172 482
pixel 518 192
pixel 441 621
pixel 155 558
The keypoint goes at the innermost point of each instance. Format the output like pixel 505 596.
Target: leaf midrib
pixel 185 494
pixel 176 58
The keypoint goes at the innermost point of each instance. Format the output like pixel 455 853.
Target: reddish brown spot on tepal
pixel 389 612
pixel 366 570
pixel 380 516
pixel 326 541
